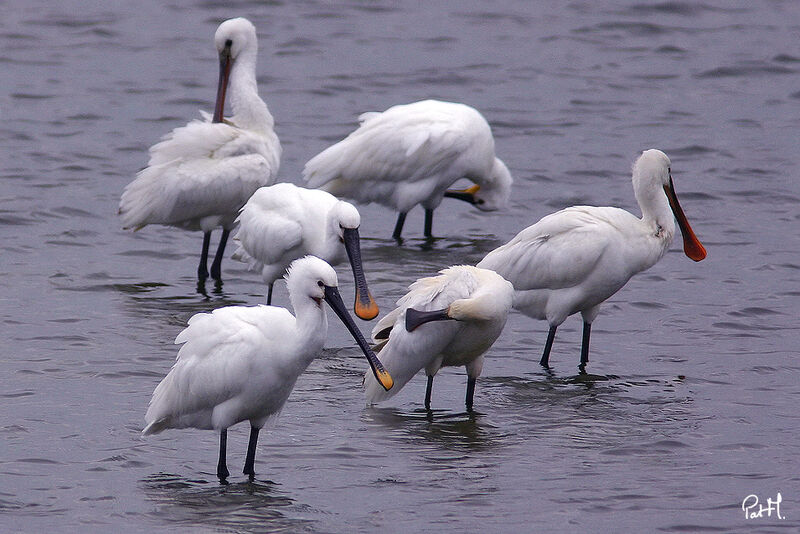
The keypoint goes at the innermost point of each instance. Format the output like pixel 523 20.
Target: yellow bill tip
pixel 366 311
pixel 385 379
pixel 471 190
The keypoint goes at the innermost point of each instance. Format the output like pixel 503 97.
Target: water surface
pixel 690 404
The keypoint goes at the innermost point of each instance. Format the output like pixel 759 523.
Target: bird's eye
pixel 480 201
pixel 229 43
pixel 320 284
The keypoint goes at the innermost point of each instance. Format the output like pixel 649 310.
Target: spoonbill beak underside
pixel 365 306
pixel 691 245
pixel 225 62
pixel 334 300
pixel 416 318
pixel 467 195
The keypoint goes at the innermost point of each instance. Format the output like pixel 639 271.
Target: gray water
pixel 690 402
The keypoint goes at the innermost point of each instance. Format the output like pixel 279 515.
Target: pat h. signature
pixel 753 509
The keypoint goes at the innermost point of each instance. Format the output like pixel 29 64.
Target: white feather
pixel 410 154
pixel 478 301
pixel 199 175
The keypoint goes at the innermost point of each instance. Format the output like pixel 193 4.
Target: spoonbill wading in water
pixel 201 174
pixel 283 222
pixel 410 154
pixel 469 306
pixel 240 363
pixel 572 260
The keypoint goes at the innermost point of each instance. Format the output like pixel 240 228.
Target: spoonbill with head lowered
pixel 283 222
pixel 470 307
pixel 240 363
pixel 201 174
pixel 572 260
pixel 410 154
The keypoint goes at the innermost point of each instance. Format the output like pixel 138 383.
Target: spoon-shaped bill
pixel 691 245
pixel 365 306
pixel 334 300
pixel 467 195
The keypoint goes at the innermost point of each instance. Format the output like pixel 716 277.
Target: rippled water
pixel 690 406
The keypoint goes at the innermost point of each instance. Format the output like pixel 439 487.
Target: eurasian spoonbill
pixel 240 363
pixel 410 154
pixel 574 259
pixel 201 174
pixel 470 307
pixel 283 222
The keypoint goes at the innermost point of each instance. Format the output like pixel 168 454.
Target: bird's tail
pixel 397 366
pixel 154 427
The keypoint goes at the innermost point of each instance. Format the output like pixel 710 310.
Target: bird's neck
pixel 331 248
pixel 656 212
pixel 312 324
pixel 247 109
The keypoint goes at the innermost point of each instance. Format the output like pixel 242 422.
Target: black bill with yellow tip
pixel 334 300
pixel 467 195
pixel 365 306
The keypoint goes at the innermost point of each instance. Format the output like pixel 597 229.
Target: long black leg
pixel 470 392
pixel 551 335
pixel 222 467
pixel 587 329
pixel 216 266
pixel 428 390
pixel 202 269
pixel 251 453
pixel 428 223
pixel 398 227
pixel 269 294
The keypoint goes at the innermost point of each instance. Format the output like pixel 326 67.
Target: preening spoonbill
pixel 572 260
pixel 283 222
pixel 240 363
pixel 201 174
pixel 469 305
pixel 410 154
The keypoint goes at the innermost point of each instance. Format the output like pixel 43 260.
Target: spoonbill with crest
pixel 283 222
pixel 201 174
pixel 410 154
pixel 469 306
pixel 574 259
pixel 240 363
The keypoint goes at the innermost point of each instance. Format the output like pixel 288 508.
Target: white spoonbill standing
pixel 240 363
pixel 283 222
pixel 201 174
pixel 410 154
pixel 470 307
pixel 574 259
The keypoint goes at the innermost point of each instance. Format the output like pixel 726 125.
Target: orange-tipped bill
pixel 365 306
pixel 691 245
pixel 467 195
pixel 225 62
pixel 334 300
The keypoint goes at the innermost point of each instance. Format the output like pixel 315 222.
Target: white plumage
pixel 283 222
pixel 201 174
pixel 464 310
pixel 572 260
pixel 410 154
pixel 240 363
